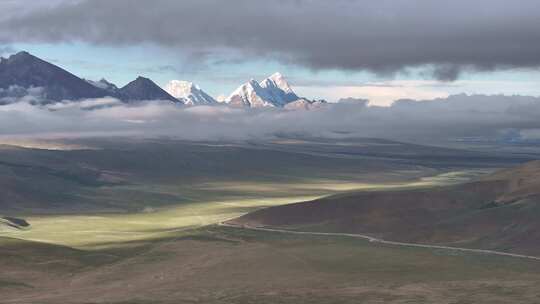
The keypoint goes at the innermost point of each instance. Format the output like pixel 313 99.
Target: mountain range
pixel 24 74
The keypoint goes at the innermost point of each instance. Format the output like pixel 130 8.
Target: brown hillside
pixel 498 212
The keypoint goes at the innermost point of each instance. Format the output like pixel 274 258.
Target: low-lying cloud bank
pixel 453 118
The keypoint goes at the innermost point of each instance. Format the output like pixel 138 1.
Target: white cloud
pixel 85 104
pixel 379 93
pixel 444 118
pixel 384 93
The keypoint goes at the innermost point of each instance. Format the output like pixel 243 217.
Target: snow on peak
pixel 188 92
pixel 250 94
pixel 179 88
pixel 273 91
pixel 276 75
pixel 279 90
pixel 277 81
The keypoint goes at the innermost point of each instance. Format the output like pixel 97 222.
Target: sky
pixel 377 50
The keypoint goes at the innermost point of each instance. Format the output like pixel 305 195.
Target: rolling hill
pixel 497 212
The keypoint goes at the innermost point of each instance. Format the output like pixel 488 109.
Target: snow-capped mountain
pixel 189 93
pixel 273 91
pixel 251 94
pixel 279 90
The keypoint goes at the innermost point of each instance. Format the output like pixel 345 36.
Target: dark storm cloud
pixel 447 72
pixel 383 36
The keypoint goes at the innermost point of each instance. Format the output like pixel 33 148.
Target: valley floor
pixel 88 231
pixel 109 228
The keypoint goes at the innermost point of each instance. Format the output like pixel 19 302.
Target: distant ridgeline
pixel 23 75
pixel 12 222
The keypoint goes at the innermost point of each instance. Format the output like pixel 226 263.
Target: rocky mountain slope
pixel 23 71
pixel 144 89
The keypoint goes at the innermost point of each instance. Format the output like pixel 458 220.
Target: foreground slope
pixel 498 212
pixel 228 265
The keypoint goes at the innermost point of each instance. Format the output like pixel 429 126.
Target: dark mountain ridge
pixel 23 73
pixel 144 89
pixel 27 71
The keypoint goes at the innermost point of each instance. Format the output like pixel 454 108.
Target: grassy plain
pixel 114 229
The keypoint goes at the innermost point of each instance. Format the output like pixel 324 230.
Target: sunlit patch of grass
pixel 328 186
pixel 92 231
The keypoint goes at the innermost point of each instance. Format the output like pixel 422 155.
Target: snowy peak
pixel 180 88
pixel 277 81
pixel 250 94
pixel 279 90
pixel 273 91
pixel 189 93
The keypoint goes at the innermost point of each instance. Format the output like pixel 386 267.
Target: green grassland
pixel 126 191
pixel 114 229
